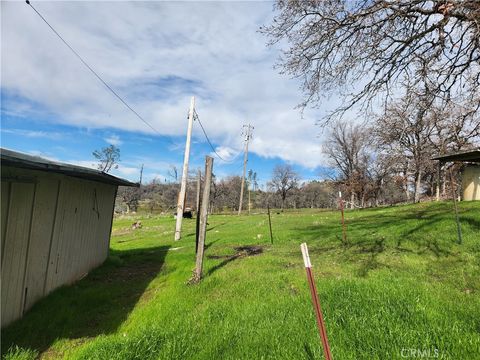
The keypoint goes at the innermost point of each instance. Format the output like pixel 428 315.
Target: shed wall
pixel 471 183
pixel 55 229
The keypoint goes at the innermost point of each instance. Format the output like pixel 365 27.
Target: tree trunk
pixel 444 184
pixel 352 200
pixel 418 184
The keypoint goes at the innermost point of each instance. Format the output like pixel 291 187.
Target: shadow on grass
pixel 365 241
pixel 365 228
pixel 97 304
pixel 209 229
pixel 241 252
pixel 308 352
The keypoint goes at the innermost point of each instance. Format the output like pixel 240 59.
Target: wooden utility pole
pixel 248 134
pixel 141 175
pixel 198 204
pixel 183 186
pixel 203 218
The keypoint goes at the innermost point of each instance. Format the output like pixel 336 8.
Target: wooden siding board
pixel 16 246
pixel 42 225
pixel 5 203
pixel 52 270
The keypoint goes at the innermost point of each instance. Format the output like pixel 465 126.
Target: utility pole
pixel 141 175
pixel 203 219
pixel 183 186
pixel 247 131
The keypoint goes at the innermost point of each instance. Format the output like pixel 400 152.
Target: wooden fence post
pixel 270 223
pixel 203 218
pixel 199 202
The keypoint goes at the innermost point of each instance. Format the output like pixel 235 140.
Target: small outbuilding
pixel 56 221
pixel 470 173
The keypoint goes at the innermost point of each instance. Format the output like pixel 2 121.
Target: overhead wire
pixel 196 117
pixel 93 71
pixel 123 101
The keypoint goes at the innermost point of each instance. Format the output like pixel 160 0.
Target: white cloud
pixel 157 58
pixel 226 153
pixel 43 155
pixel 84 163
pixel 114 140
pixel 34 134
pixel 130 172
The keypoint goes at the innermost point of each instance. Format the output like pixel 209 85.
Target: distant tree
pixel 347 148
pixel 173 173
pixel 255 181
pixel 337 44
pixel 130 197
pixel 284 179
pixel 226 193
pixel 316 194
pixel 107 157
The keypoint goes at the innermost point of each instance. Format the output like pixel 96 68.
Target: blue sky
pixel 156 55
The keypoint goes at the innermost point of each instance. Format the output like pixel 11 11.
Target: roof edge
pixel 472 155
pixel 26 161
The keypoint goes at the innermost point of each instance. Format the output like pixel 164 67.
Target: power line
pixel 93 71
pixel 196 117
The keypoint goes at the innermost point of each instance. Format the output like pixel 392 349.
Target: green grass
pixel 401 282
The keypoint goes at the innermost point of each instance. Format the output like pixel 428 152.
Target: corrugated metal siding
pixel 54 230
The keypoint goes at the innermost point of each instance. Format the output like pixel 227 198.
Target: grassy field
pixel 400 287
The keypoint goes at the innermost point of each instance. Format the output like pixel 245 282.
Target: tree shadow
pixel 474 223
pixel 209 229
pixel 308 352
pixel 241 252
pixel 371 262
pixel 364 230
pixel 97 304
pixel 210 244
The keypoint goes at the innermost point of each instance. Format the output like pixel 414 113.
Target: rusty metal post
pixel 316 303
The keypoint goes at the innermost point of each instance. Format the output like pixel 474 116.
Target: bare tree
pixel 346 148
pixel 405 130
pixel 107 157
pixel 173 173
pixel 284 179
pixel 335 45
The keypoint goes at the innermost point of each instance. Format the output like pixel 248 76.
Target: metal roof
pixel 25 161
pixel 470 156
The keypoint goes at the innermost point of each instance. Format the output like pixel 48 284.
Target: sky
pixel 156 55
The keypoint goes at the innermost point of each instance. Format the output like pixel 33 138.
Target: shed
pixel 56 221
pixel 470 173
